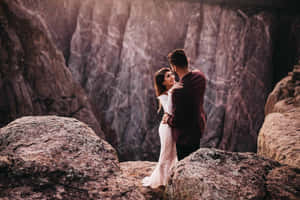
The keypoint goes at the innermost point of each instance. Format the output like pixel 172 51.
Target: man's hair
pixel 178 58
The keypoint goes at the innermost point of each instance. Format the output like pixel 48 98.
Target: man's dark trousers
pixel 185 150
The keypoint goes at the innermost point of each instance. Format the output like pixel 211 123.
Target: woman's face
pixel 169 80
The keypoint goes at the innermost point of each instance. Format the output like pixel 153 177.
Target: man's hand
pixel 165 118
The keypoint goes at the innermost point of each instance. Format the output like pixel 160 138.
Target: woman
pixel 164 82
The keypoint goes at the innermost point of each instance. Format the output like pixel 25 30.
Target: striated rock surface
pixel 214 174
pixel 60 17
pixel 118 45
pixel 53 157
pixel 279 137
pixel 34 79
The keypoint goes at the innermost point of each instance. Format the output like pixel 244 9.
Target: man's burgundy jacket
pixel 188 117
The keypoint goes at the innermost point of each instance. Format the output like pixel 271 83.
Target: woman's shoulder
pixel 163 97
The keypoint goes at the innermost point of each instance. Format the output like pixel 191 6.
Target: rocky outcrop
pixel 279 137
pixel 213 174
pixel 116 46
pixel 52 157
pixel 34 79
pixel 59 158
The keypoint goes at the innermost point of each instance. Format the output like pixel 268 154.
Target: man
pixel 188 118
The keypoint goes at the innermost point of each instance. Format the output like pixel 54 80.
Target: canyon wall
pixel 60 17
pixel 34 79
pixel 117 47
pixel 114 47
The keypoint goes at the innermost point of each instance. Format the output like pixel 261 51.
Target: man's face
pixel 173 67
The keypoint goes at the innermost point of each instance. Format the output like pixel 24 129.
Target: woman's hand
pixel 177 85
pixel 165 118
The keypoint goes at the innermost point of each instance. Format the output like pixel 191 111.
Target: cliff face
pixel 60 17
pixel 34 79
pixel 114 47
pixel 117 47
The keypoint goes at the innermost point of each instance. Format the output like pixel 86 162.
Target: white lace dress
pixel 168 155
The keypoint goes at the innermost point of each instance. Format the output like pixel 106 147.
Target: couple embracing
pixel 184 121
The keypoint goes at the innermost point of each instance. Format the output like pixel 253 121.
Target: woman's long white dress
pixel 168 155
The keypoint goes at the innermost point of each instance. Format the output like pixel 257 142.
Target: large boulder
pixel 211 174
pixel 279 137
pixel 34 78
pixel 53 157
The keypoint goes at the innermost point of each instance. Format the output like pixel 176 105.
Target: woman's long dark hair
pixel 159 78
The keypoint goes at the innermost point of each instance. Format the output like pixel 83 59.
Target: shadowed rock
pixel 292 4
pixel 284 183
pixel 279 137
pixel 34 79
pixel 286 94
